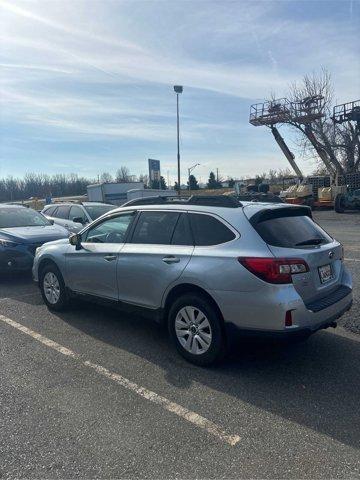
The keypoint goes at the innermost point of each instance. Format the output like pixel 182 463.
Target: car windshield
pixel 96 211
pixel 21 217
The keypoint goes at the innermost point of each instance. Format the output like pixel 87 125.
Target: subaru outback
pixel 208 268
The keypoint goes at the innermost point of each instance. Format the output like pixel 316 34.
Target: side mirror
pixel 79 220
pixel 75 239
pixel 51 221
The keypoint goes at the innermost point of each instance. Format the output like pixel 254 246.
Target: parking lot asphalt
pixel 92 393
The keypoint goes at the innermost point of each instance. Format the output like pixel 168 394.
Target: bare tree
pixel 340 143
pixel 122 174
pixel 144 178
pixel 106 177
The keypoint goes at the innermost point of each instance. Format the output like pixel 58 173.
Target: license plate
pixel 325 273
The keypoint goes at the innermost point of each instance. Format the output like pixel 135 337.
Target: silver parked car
pixel 209 267
pixel 73 216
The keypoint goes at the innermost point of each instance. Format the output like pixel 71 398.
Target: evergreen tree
pixel 155 184
pixel 193 183
pixel 212 182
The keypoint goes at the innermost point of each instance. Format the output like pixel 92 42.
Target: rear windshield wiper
pixel 311 241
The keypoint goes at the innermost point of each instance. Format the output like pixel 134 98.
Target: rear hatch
pixel 290 232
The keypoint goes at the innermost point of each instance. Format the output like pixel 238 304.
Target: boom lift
pixel 269 114
pixel 288 154
pixel 349 198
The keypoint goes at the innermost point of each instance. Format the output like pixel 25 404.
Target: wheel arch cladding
pixel 44 263
pixel 188 288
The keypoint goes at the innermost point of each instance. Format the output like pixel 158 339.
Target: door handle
pixel 66 225
pixel 171 259
pixel 110 258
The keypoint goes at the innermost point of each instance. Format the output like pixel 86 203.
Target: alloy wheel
pixel 193 330
pixel 51 287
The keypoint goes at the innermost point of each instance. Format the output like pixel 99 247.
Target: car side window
pixel 111 230
pixel 50 211
pixel 182 233
pixel 207 230
pixel 155 228
pixel 76 212
pixel 62 212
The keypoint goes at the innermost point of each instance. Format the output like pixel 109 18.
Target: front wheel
pixel 196 330
pixel 53 288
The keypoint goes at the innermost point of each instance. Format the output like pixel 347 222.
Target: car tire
pixel 339 203
pixel 53 288
pixel 196 329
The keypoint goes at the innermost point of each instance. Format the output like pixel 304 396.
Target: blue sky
pixel 86 86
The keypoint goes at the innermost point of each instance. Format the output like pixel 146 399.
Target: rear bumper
pixel 263 313
pixel 235 331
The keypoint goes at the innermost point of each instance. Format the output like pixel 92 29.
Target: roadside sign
pixel 154 170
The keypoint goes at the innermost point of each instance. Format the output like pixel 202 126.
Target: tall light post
pixel 178 89
pixel 190 169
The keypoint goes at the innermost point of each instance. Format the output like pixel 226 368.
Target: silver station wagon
pixel 209 268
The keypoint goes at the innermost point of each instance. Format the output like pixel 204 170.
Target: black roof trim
pixel 201 200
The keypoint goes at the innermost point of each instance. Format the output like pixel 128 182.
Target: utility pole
pixel 178 89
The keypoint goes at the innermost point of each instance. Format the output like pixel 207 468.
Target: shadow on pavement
pixel 19 286
pixel 316 383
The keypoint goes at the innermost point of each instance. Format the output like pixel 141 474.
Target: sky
pixel 87 86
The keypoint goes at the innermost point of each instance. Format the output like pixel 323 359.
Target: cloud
pixel 77 74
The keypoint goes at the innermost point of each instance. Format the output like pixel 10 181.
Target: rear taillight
pixel 274 270
pixel 288 319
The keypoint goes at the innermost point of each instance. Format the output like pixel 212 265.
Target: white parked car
pixel 73 216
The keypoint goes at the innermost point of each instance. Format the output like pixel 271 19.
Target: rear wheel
pixel 53 289
pixel 339 203
pixel 196 330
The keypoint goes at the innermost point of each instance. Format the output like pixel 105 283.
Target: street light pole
pixel 178 89
pixel 190 169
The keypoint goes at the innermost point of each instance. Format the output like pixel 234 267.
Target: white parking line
pixel 352 259
pixel 153 397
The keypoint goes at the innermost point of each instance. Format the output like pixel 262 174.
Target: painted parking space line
pixel 188 415
pixel 352 259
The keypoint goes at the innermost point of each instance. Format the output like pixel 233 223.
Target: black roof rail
pixel 215 201
pixel 201 200
pixel 158 200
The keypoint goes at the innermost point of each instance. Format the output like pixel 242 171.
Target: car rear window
pixel 95 211
pixel 292 232
pixel 207 230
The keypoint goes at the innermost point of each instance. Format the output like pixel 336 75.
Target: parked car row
pixel 23 230
pixel 207 268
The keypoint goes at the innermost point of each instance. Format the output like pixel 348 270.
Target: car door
pixel 76 212
pixel 92 269
pixel 157 253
